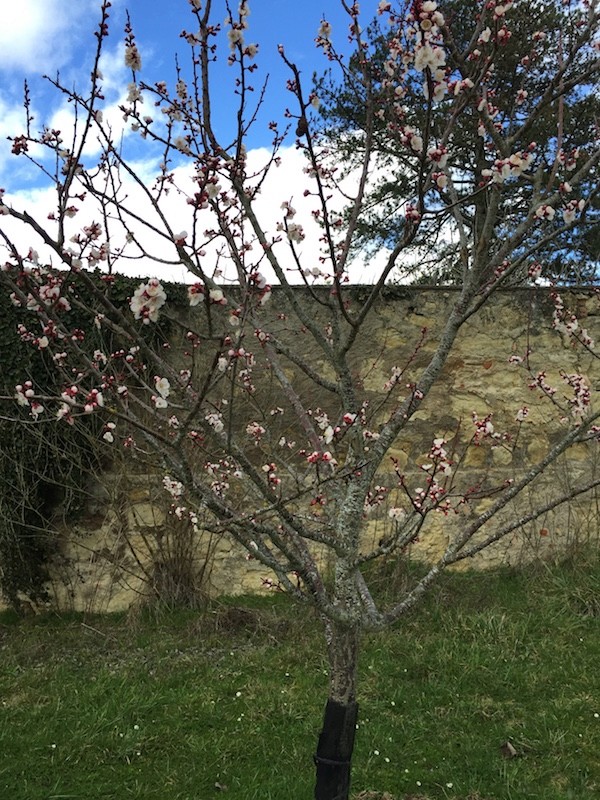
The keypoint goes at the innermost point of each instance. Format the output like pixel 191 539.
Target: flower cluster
pixel 270 471
pixel 326 458
pixel 545 211
pixel 322 420
pixel 93 401
pixel 147 299
pixel 539 382
pixel 429 55
pixel 47 291
pixel 215 420
pixel 375 497
pixel 258 282
pixel 163 387
pixel 235 34
pixel 512 167
pixel 255 431
pixel 438 468
pixel 173 487
pixel 108 432
pixel 484 428
pixel 571 210
pixel 133 59
pixel 198 291
pixel 580 402
pixel 565 322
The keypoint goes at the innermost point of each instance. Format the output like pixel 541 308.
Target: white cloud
pixel 36 35
pixel 287 182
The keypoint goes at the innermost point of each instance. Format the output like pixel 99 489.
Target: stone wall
pixel 108 550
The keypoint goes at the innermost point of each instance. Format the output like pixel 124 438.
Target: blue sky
pixel 46 36
pixel 50 36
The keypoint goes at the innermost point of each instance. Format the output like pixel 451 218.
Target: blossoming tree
pixel 264 421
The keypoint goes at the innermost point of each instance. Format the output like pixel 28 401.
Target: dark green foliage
pixel 574 259
pixel 45 465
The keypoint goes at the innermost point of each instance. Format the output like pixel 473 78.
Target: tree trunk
pixel 336 741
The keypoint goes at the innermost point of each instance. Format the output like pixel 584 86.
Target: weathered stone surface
pixel 132 511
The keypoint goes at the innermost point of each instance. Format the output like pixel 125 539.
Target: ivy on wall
pixel 45 466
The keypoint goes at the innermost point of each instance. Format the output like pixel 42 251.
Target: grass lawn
pixel 190 706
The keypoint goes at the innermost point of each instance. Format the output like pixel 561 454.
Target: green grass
pixel 178 706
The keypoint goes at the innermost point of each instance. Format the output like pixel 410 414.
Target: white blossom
pixel 147 299
pixel 133 60
pixel 162 386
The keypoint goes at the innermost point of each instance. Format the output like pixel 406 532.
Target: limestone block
pixel 478 456
pixel 138 495
pixel 145 515
pixel 501 456
pixel 537 449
